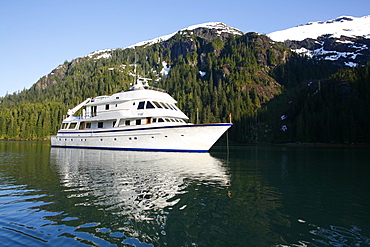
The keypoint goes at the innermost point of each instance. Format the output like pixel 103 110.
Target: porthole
pixel 130 138
pixel 115 139
pixel 135 138
pixel 101 140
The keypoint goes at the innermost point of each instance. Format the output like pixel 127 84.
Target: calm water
pixel 255 196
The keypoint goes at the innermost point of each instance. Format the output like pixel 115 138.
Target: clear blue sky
pixel 36 36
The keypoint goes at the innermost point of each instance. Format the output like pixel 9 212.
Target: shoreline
pixel 20 139
pixel 314 144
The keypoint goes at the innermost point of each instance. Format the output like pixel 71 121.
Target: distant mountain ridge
pixel 345 41
pixel 348 26
pixel 218 28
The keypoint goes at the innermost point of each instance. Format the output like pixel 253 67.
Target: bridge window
pixel 157 104
pixel 149 105
pixel 141 105
pixel 72 125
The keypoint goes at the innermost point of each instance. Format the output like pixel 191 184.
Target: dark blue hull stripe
pixel 136 149
pixel 148 128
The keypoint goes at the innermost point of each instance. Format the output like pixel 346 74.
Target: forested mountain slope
pixel 215 71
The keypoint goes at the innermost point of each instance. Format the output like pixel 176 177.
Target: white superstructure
pixel 142 118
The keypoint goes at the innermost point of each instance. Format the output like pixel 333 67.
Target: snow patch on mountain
pixel 100 54
pixel 344 25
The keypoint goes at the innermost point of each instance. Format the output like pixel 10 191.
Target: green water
pixel 249 196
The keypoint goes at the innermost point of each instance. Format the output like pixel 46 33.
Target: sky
pixel 36 36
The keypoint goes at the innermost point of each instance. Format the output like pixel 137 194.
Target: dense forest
pixel 274 95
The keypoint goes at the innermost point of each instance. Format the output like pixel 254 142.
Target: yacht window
pixel 149 105
pixel 167 120
pixel 88 125
pixel 141 105
pixel 160 120
pixel 157 104
pixel 82 126
pixel 174 107
pixel 164 105
pixel 169 106
pixel 72 126
pixel 172 120
pixel 138 121
pixel 107 107
pixel 114 123
pixel 148 120
pixel 127 122
pixel 154 120
pixel 100 124
pixel 64 126
pixel 94 111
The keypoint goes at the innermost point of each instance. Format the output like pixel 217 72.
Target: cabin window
pixel 88 125
pixel 141 105
pixel 160 120
pixel 82 126
pixel 114 123
pixel 164 105
pixel 174 107
pixel 149 105
pixel 154 120
pixel 138 121
pixel 72 126
pixel 100 124
pixel 107 107
pixel 157 104
pixel 169 106
pixel 94 111
pixel 64 126
pixel 148 120
pixel 127 123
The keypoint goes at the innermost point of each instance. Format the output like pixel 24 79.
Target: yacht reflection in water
pixel 135 184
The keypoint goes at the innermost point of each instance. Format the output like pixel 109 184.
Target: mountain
pixel 216 29
pixel 274 93
pixel 345 41
pixel 348 26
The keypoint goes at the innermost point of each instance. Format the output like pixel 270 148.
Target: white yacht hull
pixel 178 138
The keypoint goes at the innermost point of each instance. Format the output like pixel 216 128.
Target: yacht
pixel 142 118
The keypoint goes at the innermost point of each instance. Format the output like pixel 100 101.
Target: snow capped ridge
pixel 219 26
pixel 342 26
